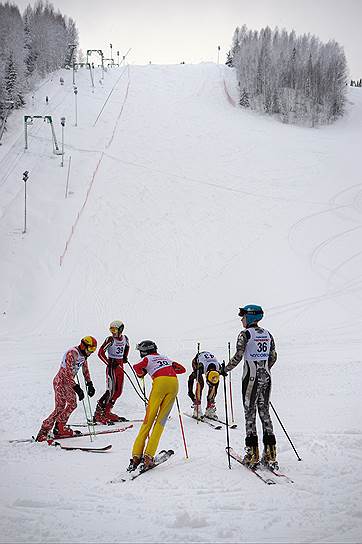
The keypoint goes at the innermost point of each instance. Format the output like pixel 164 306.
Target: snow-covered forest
pixel 297 78
pixel 31 46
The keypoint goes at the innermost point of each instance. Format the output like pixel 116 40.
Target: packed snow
pixel 181 208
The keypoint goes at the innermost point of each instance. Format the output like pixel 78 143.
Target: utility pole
pixel 25 179
pixel 218 53
pixel 76 106
pixel 118 58
pixel 110 45
pixel 62 122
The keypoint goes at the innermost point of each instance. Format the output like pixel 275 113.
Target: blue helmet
pixel 252 312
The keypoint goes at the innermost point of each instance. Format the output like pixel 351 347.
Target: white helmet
pixel 116 327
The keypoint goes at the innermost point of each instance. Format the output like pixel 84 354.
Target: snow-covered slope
pixel 181 208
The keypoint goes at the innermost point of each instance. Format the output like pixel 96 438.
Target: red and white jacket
pixel 158 365
pixel 114 351
pixel 72 361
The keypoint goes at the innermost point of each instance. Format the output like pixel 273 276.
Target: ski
pixel 278 474
pixel 110 424
pixel 203 420
pixel 256 471
pixel 233 426
pixel 160 458
pixel 92 449
pixel 78 434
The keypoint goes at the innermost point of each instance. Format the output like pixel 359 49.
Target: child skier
pixel 204 363
pixel 66 388
pixel 257 347
pixel 114 353
pixel 162 397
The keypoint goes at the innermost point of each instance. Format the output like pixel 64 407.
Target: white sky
pixel 170 31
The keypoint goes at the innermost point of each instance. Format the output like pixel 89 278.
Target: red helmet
pixel 88 343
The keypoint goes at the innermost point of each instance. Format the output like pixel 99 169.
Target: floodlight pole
pixel 25 179
pixel 62 122
pixel 76 105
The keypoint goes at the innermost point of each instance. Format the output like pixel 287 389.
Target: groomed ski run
pixel 181 208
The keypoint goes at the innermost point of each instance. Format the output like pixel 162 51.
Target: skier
pixel 163 372
pixel 66 388
pixel 113 352
pixel 257 347
pixel 206 363
pixel 46 100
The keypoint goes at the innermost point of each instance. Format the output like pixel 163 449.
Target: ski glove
pixel 90 389
pixel 77 388
pixel 223 371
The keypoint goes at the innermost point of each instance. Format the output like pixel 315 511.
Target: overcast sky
pixel 171 31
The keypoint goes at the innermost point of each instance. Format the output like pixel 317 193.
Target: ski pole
pixel 226 415
pixel 135 375
pixel 197 387
pixel 286 434
pixel 231 390
pixel 143 399
pixel 90 411
pixel 85 411
pixel 182 428
pixel 144 391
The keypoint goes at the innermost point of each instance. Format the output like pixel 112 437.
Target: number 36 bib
pixel 258 347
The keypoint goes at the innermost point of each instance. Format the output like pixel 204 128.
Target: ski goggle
pixel 91 349
pixel 114 330
pixel 243 312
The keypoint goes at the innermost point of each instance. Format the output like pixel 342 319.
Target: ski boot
pixel 60 430
pixel 133 463
pixel 196 410
pixel 251 457
pixel 148 462
pixel 42 435
pixel 210 412
pixel 269 458
pixel 100 416
pixel 112 417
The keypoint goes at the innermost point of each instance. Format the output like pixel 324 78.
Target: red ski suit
pixel 113 352
pixel 63 383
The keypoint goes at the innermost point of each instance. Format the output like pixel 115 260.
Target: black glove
pixel 90 389
pixel 223 370
pixel 77 388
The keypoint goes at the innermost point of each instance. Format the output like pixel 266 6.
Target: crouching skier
pixel 204 363
pixel 66 389
pixel 257 347
pixel 163 372
pixel 114 353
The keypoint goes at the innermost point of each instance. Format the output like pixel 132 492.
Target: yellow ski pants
pixel 163 394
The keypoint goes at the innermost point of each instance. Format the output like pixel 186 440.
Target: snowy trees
pixel 31 45
pixel 297 78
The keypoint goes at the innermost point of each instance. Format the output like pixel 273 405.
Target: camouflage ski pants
pixel 256 397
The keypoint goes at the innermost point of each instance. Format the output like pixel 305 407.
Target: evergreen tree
pixel 229 60
pixel 244 99
pixel 12 87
